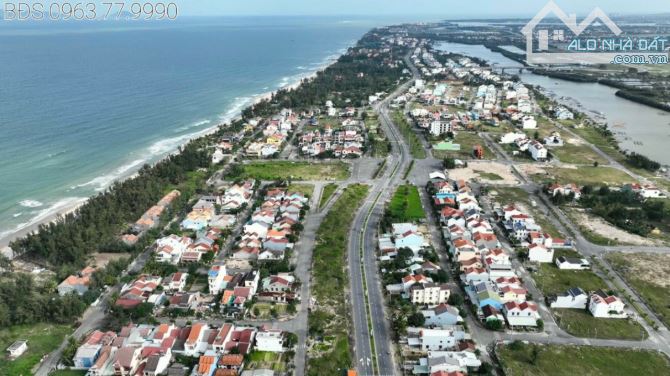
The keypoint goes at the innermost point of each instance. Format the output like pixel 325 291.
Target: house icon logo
pixel 534 29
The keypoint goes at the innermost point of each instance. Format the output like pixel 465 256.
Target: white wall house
pixel 573 298
pixel 270 340
pixel 537 151
pixel 572 263
pixel 606 306
pixel 540 253
pixel 521 314
pixel 528 122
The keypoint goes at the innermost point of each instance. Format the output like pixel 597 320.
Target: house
pixel 429 293
pixel 127 361
pixel 490 313
pixel 553 140
pixel 606 306
pixel 175 282
pixel 157 363
pixel 17 348
pixel 565 190
pixel 537 151
pixel 512 137
pixel 540 253
pixel 270 340
pixel 434 339
pixel 281 282
pixel 170 248
pixel 216 278
pixel 230 364
pixel 528 122
pixel 194 343
pixel 77 284
pixel 572 263
pixel 88 353
pixel 441 315
pixel 448 363
pixel 206 366
pixel 521 314
pixel 573 298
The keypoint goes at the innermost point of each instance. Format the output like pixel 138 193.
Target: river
pixel 638 128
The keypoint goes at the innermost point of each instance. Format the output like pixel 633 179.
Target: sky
pixel 433 9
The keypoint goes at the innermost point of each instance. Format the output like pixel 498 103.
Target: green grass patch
pixel 331 318
pixel 42 339
pixel 327 192
pixel 405 128
pixel 577 154
pixel 281 170
pixel 521 359
pixel 488 175
pixel 581 323
pixel 551 280
pixel 267 360
pixel 467 140
pixel 632 266
pixel 405 204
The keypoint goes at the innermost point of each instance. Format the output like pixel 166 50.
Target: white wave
pixel 61 206
pixel 193 125
pixel 102 182
pixel 17 214
pixel 30 203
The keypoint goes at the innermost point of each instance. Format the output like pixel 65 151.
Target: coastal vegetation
pixel 349 82
pixel 98 224
pixel 288 170
pixel 329 322
pixel 624 209
pixel 521 359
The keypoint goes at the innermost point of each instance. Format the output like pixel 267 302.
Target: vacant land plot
pixel 327 192
pixel 305 189
pixel 467 140
pixel 42 339
pixel 649 275
pixel 580 323
pixel 267 360
pixel 586 175
pixel 68 372
pixel 577 153
pixel 406 204
pixel 330 320
pixel 551 280
pixel 281 170
pixel 521 359
pixel 599 231
pixel 486 171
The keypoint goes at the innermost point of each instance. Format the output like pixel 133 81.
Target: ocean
pixel 83 104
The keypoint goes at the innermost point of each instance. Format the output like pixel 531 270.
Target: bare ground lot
pixel 600 228
pixel 487 172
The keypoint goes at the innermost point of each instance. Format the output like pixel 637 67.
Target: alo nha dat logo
pixel 595 40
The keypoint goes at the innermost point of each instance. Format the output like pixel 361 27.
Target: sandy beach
pixel 52 216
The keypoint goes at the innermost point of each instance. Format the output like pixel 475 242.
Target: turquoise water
pixel 84 104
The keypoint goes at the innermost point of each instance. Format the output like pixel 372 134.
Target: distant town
pixel 409 210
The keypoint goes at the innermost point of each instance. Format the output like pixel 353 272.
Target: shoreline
pixel 55 213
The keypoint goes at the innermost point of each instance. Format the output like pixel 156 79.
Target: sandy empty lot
pixel 601 227
pixel 650 267
pixel 479 170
